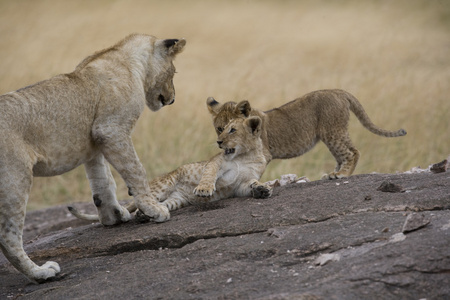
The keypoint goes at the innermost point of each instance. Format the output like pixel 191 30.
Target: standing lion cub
pixel 295 127
pixel 84 117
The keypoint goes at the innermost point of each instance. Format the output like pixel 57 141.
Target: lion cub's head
pixel 240 136
pixel 159 88
pixel 222 114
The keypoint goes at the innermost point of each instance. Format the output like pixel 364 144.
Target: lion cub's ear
pixel 213 106
pixel 253 125
pixel 173 46
pixel 243 108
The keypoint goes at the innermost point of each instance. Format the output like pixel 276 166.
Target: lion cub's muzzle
pixel 163 100
pixel 227 150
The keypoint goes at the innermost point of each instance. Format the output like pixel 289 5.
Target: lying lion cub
pixel 294 128
pixel 240 166
pixel 84 117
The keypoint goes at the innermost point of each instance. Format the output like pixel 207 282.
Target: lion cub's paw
pixel 123 214
pixel 141 218
pixel 46 271
pixel 205 190
pixel 157 212
pixel 261 191
pixel 112 215
pixel 332 176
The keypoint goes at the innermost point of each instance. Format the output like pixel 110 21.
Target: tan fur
pixel 294 128
pixel 233 173
pixel 85 117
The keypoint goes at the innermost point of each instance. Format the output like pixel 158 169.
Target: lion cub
pixel 294 128
pixel 235 173
pixel 83 117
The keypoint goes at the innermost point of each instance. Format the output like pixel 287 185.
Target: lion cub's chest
pixel 234 172
pixel 229 173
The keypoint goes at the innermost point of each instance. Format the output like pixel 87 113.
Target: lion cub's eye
pixel 232 130
pixel 219 129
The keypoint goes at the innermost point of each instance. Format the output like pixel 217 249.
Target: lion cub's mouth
pixel 229 151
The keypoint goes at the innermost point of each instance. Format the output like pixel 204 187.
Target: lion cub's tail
pixel 362 116
pixel 76 213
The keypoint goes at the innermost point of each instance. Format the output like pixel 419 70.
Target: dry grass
pixel 392 55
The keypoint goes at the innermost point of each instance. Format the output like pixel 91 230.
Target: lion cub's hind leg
pixel 15 184
pixel 168 189
pixel 176 201
pixel 345 153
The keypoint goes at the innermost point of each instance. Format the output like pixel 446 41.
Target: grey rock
pixel 246 248
pixel 415 221
pixel 440 166
pixel 387 186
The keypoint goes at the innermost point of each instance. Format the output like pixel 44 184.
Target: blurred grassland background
pixel 394 56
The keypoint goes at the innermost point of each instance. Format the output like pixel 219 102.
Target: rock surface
pixel 338 239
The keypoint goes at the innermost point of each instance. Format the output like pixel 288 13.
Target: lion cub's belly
pixel 59 160
pixel 293 146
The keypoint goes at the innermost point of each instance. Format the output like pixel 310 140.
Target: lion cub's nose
pixel 219 143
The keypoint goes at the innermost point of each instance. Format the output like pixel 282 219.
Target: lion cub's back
pixel 316 110
pixel 295 127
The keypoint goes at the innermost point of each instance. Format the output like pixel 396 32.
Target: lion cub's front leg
pixel 207 184
pixel 120 153
pixel 103 189
pixel 255 189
